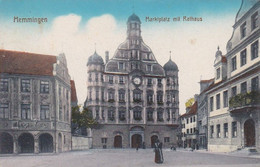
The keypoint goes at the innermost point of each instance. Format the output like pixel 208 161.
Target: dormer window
pixel 149 67
pixel 243 30
pixel 218 73
pixel 121 66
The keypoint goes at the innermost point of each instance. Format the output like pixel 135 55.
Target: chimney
pixel 107 56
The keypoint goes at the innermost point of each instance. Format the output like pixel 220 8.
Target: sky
pixel 79 27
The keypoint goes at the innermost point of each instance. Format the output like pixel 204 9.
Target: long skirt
pixel 158 156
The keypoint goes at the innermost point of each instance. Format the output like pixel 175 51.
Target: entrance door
pixel 136 141
pixel 118 142
pixel 154 138
pixel 46 143
pixel 26 143
pixel 6 144
pixel 249 132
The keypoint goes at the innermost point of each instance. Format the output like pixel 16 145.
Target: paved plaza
pixel 128 158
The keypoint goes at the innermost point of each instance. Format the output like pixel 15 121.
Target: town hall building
pixel 132 96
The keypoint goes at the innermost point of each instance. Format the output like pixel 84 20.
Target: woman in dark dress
pixel 158 152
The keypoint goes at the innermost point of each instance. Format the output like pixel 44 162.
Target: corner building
pixel 35 103
pixel 134 98
pixel 234 98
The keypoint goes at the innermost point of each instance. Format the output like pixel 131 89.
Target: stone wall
pixel 81 143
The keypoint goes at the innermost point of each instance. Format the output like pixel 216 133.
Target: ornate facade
pixel 35 109
pixel 132 96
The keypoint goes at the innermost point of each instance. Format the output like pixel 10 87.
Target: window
pixel 102 96
pixel 188 131
pixel 25 111
pixel 150 115
pixel 149 82
pixel 254 50
pixel 90 95
pixel 190 119
pixel 110 78
pixel 111 115
pixel 234 129
pixel 218 101
pixel 234 91
pixel 103 114
pixel 97 113
pixel 187 120
pixel 149 67
pixel 121 65
pixel 25 85
pixel 159 81
pixel 225 130
pixel 211 131
pixel 225 98
pixel 159 98
pixel 44 112
pixel 243 58
pixel 243 30
pixel 60 113
pixel 255 84
pixel 89 77
pixel 121 96
pixel 254 21
pixel 234 63
pixel 96 78
pixel 102 78
pixel 194 119
pixel 160 116
pixel 4 110
pixel 218 131
pixel 4 85
pixel 137 97
pixel 200 123
pixel 121 79
pixel 211 102
pixel 97 95
pixel 110 96
pixel 149 98
pixel 104 140
pixel 166 139
pixel 218 73
pixel 121 115
pixel 191 130
pixel 137 115
pixel 243 87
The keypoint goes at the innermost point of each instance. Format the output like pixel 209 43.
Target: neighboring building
pixel 74 99
pixel 132 96
pixel 233 99
pixel 189 126
pixel 35 110
pixel 202 114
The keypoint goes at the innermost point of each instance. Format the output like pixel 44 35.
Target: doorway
pixel 136 141
pixel 249 133
pixel 154 138
pixel 6 143
pixel 118 141
pixel 26 143
pixel 46 143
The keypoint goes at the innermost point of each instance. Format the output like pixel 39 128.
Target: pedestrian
pixel 143 145
pixel 158 152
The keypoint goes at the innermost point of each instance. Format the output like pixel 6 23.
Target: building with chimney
pixel 134 98
pixel 35 103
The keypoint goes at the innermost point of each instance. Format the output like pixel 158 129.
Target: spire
pixel 170 55
pixel 95 48
pixel 218 48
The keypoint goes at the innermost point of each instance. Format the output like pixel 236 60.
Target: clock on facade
pixel 137 80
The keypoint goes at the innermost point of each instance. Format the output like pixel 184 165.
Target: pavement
pixel 130 158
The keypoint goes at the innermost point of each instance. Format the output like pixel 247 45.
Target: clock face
pixel 137 81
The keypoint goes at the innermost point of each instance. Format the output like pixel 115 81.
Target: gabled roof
pixel 16 62
pixel 192 111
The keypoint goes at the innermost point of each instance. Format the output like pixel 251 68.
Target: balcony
pixel 245 101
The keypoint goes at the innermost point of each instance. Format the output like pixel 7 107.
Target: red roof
pixel 192 111
pixel 73 91
pixel 15 62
